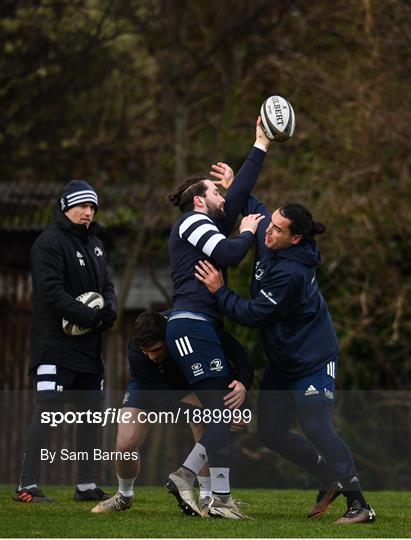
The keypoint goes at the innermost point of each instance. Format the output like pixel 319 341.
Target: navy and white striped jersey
pixel 196 236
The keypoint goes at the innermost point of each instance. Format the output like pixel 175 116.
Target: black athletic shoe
pixel 95 494
pixel 324 500
pixel 31 495
pixel 357 514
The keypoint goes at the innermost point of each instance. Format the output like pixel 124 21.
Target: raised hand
pixel 224 174
pixel 260 136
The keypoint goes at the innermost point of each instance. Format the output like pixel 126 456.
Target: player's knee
pixel 314 429
pixel 316 422
pixel 127 444
pixel 128 440
pixel 50 405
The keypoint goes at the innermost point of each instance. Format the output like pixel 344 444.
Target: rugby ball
pixel 90 299
pixel 277 118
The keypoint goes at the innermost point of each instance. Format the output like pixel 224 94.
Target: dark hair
pixel 301 221
pixel 193 186
pixel 150 327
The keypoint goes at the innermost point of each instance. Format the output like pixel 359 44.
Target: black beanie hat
pixel 77 192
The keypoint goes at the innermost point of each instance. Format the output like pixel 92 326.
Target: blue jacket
pixel 297 330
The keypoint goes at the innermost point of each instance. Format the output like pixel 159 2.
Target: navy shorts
pixel 319 386
pixel 138 398
pixel 196 348
pixel 57 382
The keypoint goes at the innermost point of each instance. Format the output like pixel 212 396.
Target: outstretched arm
pixel 244 181
pixel 268 305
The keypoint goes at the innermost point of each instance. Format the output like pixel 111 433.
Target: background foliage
pixel 142 92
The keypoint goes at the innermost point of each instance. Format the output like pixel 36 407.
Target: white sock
pixel 27 487
pixel 204 483
pixel 126 486
pixel 196 459
pixel 220 480
pixel 85 487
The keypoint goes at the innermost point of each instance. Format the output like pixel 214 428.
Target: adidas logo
pixel 221 475
pixel 354 479
pixel 311 390
pixel 203 456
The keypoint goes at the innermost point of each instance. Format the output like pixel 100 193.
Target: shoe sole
pixel 364 519
pixel 35 500
pixel 353 521
pixel 184 506
pixel 111 510
pixel 78 499
pixel 221 516
pixel 325 509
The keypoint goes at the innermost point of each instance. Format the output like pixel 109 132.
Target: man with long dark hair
pixel 302 349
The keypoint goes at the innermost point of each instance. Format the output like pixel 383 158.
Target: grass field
pixel 155 514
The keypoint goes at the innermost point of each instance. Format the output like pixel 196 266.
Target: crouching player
pixel 156 384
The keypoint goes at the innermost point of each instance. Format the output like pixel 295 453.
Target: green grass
pixel 155 514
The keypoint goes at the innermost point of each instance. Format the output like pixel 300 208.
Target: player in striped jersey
pixel 192 339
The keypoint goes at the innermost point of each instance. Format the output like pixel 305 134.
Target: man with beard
pixel 192 336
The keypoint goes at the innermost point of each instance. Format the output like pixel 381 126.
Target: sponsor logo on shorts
pixel 216 365
pixel 311 391
pixel 197 369
pixel 102 385
pixel 98 252
pixel 126 397
pixel 328 393
pixel 59 388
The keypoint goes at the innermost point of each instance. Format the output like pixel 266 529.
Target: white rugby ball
pixel 90 299
pixel 277 118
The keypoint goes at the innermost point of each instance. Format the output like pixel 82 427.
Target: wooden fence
pixel 17 399
pixel 375 424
